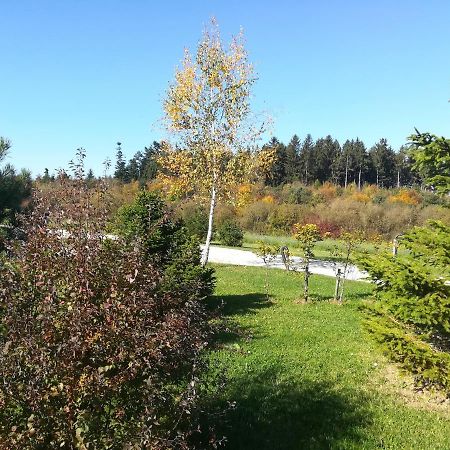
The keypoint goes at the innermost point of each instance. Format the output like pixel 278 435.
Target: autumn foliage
pixel 99 349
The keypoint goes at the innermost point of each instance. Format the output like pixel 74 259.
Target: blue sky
pixel 89 73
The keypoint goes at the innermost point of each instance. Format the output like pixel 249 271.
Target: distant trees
pixel 292 167
pixel 308 161
pixel 351 163
pixel 325 160
pixel 121 172
pixel 277 174
pixel 326 150
pixel 142 167
pixel 15 186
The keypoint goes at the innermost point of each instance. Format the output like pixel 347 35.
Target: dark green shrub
pixel 15 189
pixel 300 195
pixel 195 219
pixel 430 198
pixel 412 315
pixel 148 223
pixel 230 233
pixel 380 197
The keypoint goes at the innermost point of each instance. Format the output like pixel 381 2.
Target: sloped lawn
pixel 308 376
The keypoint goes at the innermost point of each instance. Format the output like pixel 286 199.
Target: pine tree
pixel 291 168
pixel 121 168
pixel 305 160
pixel 351 162
pixel 46 177
pixel 411 316
pixel 431 160
pixel 325 151
pixel 149 165
pixel 134 167
pixel 403 165
pixel 383 160
pixel 361 159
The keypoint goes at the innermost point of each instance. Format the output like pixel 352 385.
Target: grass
pixel 323 250
pixel 306 376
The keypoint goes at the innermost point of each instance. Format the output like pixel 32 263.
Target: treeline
pixel 307 161
pixel 141 167
pixel 15 187
pixel 325 160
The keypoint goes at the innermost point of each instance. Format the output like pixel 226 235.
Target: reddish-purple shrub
pixel 95 352
pixel 325 227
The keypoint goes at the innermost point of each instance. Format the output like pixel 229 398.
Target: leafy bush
pixel 284 217
pixel 147 222
pixel 412 316
pixel 406 196
pixel 99 348
pixel 298 194
pixel 195 219
pixel 230 233
pixel 254 217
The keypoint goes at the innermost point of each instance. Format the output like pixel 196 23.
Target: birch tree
pixel 207 108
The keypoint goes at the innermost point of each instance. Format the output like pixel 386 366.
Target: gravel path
pixel 247 258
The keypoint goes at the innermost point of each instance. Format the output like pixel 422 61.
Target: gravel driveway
pixel 247 258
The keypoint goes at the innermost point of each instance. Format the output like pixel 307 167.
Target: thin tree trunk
pixel 344 275
pixel 210 226
pixel 346 172
pixel 359 180
pixel 338 284
pixel 306 286
pixel 398 178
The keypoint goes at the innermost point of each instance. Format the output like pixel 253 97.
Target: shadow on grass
pixel 233 305
pixel 270 414
pixel 240 304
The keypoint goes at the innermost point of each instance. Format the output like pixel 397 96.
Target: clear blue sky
pixel 87 73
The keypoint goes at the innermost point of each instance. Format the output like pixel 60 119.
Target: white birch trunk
pixel 210 226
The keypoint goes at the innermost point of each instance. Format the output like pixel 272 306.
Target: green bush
pixel 412 315
pixel 254 217
pixel 284 217
pixel 148 223
pixel 195 219
pixel 298 194
pixel 230 233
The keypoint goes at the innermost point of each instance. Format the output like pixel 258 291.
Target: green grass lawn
pixel 307 376
pixel 323 249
